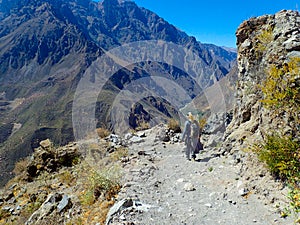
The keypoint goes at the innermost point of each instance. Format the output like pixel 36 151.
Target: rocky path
pixel 162 187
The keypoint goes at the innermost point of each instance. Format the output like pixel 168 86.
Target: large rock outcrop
pixel 263 42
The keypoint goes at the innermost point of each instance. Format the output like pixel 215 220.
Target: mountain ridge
pixel 45 49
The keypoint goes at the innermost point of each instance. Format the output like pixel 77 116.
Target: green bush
pixel 281 95
pixel 294 196
pixel 104 183
pixel 280 89
pixel 263 39
pixel 282 156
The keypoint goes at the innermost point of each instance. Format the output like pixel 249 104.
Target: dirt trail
pixel 162 187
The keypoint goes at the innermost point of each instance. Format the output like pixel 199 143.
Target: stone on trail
pixel 208 205
pixel 189 187
pixel 181 180
pixel 243 192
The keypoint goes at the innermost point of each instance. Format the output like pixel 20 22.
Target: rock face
pixel 50 159
pixel 262 42
pixel 138 114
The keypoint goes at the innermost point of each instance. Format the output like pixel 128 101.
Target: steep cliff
pixel 264 132
pixel 265 43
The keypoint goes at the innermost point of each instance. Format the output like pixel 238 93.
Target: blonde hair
pixel 190 116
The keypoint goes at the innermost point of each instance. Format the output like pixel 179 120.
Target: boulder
pixel 46 209
pixel 46 144
pixel 63 203
pixel 46 158
pixel 118 207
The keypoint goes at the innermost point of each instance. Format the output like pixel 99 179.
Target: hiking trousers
pixel 190 151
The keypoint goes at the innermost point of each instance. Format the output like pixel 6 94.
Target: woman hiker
pixel 190 136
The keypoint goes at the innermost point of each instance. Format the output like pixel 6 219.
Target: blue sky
pixel 214 21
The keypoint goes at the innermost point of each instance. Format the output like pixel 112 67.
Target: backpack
pixel 195 129
pixel 195 133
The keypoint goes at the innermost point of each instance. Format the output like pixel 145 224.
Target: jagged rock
pixel 141 134
pixel 6 208
pixel 118 207
pixel 232 202
pixel 46 144
pixel 11 200
pixel 175 138
pixel 237 158
pixel 162 134
pixel 138 115
pixel 12 187
pixel 136 140
pixel 122 217
pixel 292 44
pixel 63 203
pixel 114 138
pixel 208 205
pixel 215 123
pixel 8 196
pixel 139 206
pixel 48 159
pixel 181 180
pixel 46 208
pixel 128 136
pixel 214 129
pixel 252 120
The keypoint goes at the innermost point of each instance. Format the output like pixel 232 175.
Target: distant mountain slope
pixel 47 45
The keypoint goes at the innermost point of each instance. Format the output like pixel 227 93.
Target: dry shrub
pixel 67 178
pixel 202 123
pixel 105 206
pixel 174 125
pixel 21 166
pixel 103 132
pixel 143 126
pixel 97 213
pixel 119 154
pixel 103 183
pixel 263 39
pixel 102 188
